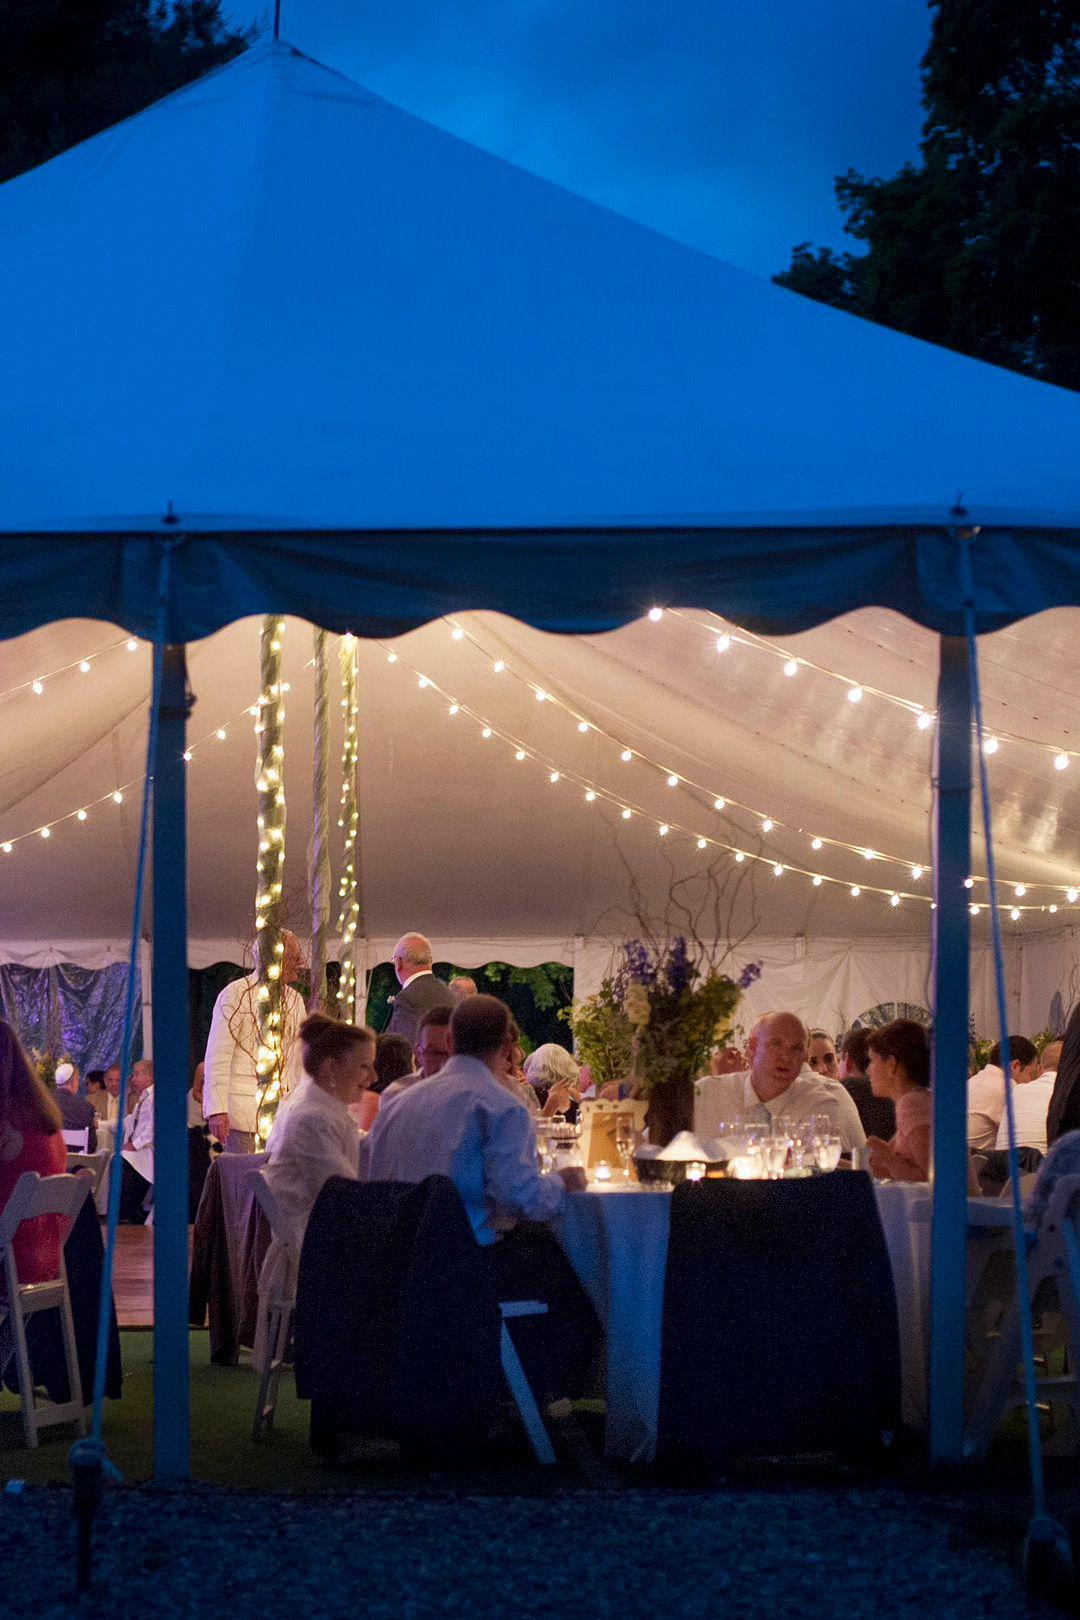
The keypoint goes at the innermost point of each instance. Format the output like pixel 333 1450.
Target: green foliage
pixel 69 68
pixel 976 247
pixel 602 1034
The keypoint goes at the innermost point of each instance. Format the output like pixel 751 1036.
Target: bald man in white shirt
pixel 775 1084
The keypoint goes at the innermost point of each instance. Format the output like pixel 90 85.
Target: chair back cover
pixel 396 1322
pixel 780 1328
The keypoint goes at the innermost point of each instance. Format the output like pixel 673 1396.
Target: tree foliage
pixel 70 68
pixel 976 247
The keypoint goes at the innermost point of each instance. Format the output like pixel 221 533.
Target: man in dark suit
pixel 420 989
pixel 76 1114
pixel 878 1114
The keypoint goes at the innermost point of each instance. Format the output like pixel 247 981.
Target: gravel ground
pixel 206 1552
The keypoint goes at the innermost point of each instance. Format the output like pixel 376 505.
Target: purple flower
pixel 750 972
pixel 680 970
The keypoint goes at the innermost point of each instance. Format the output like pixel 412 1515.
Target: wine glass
pixel 827 1152
pixel 625 1136
pixel 775 1148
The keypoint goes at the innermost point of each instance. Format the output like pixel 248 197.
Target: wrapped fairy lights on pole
pixel 269 944
pixel 349 821
pixel 319 851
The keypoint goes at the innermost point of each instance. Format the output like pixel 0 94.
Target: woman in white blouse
pixel 313 1136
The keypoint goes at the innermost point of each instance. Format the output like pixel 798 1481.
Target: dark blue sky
pixel 721 123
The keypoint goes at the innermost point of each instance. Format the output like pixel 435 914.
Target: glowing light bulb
pixel 583 725
pixel 894 899
pixel 916 873
pixel 969 883
pixel 656 614
pixel 778 870
pixel 815 843
pixel 974 910
pixel 816 881
pixel 38 689
pixel 118 797
pixel 766 825
pixel 520 755
pixel 590 796
pixel 990 746
pixel 1052 908
pixel 723 643
pixel 1061 762
pixel 673 780
pixel 46 832
pixel 423 681
pixel 1015 914
pixel 719 804
pixel 499 665
pixel 84 667
pixel 187 756
pixel 486 732
pixel 132 644
pixel 541 695
pixel 854 694
pixel 391 658
pixel 7 849
pixel 220 734
pixel 1070 895
pixel 1020 890
pixel 791 667
pixel 626 756
pixel 455 708
pixel 554 777
pixel 627 814
pixel 855 891
pixel 702 843
pixel 664 829
pixel 925 721
pixel 739 856
pixel 80 815
pixel 457 633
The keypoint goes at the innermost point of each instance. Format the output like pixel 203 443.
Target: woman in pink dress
pixel 30 1139
pixel 899 1067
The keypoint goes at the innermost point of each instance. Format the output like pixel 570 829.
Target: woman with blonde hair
pixel 30 1139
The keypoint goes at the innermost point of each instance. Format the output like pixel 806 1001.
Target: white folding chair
pixel 32 1196
pixel 275 1310
pixel 514 1372
pixel 77 1141
pixel 1053 1287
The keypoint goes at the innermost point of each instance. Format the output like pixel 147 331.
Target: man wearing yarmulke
pixel 76 1114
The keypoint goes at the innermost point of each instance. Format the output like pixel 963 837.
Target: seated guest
pixel 463 986
pixel 30 1139
pixel 821 1055
pixel 986 1090
pixel 899 1068
pixel 393 1060
pixel 112 1092
pixel 1064 1112
pixel 314 1137
pixel 878 1114
pixel 776 1085
pixel 1031 1094
pixel 553 1077
pixel 76 1113
pixel 727 1060
pixel 96 1095
pixel 137 1137
pixel 466 1123
pixel 433 1047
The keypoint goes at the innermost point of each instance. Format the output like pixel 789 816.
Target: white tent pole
pixel 170 999
pixel 951 946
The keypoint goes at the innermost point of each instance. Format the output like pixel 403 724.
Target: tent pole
pixel 170 1002
pixel 950 928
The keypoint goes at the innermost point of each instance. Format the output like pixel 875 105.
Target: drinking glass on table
pixel 775 1148
pixel 625 1137
pixel 827 1151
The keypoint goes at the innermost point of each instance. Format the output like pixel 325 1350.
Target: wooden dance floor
pixel 133 1275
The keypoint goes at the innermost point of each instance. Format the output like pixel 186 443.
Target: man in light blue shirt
pixel 469 1122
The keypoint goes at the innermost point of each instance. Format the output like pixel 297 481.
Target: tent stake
pixel 951 945
pixel 170 1000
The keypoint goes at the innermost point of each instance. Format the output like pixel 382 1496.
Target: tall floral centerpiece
pixel 653 1022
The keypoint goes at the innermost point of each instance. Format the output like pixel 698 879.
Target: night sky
pixel 721 122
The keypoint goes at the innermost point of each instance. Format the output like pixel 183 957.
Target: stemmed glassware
pixel 625 1139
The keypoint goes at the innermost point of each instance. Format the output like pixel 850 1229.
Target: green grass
pixel 222 1451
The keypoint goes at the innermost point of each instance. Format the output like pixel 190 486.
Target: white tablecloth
pixel 616 1241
